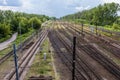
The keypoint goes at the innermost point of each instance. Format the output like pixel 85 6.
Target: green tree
pixel 116 26
pixel 10 22
pixel 23 25
pixel 4 30
pixel 35 22
pixel 101 15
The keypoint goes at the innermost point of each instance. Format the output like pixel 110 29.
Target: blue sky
pixel 55 8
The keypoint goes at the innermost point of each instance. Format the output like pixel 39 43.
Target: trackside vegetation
pixel 102 15
pixel 11 22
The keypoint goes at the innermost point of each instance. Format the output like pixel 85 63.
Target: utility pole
pixel 33 29
pixel 82 28
pixel 15 60
pixel 32 25
pixel 96 29
pixel 4 16
pixel 20 36
pixel 74 58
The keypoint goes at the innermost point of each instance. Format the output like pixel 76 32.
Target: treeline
pixel 11 22
pixel 101 15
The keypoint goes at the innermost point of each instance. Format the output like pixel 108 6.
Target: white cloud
pixel 13 8
pixel 71 2
pixel 52 7
pixel 8 8
pixel 88 7
pixel 80 8
pixel 4 2
pixel 26 4
pixel 109 1
pixel 39 7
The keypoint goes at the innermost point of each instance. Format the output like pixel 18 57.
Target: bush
pixel 4 30
pixel 23 25
pixel 35 22
pixel 116 26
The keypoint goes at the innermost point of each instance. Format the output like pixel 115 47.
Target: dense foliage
pixel 11 22
pixel 101 15
pixel 4 30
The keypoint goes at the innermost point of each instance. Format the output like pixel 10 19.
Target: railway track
pixel 86 31
pixel 106 62
pixel 82 69
pixel 111 46
pixel 8 55
pixel 86 69
pixel 25 61
pixel 111 67
pixel 64 58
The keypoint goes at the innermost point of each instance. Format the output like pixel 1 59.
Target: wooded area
pixel 102 15
pixel 11 22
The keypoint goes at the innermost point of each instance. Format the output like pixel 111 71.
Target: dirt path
pixel 5 44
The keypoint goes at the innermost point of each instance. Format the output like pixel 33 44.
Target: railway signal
pixel 92 29
pixel 45 56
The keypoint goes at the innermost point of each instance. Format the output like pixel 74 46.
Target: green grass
pixel 109 28
pixel 4 39
pixel 78 21
pixel 23 37
pixel 41 66
pixel 17 41
pixel 5 51
pixel 112 29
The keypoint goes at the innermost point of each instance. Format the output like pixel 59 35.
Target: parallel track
pixel 83 71
pixel 87 72
pixel 8 55
pixel 25 60
pixel 111 45
pixel 102 59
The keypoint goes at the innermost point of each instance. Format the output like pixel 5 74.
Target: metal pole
pixel 96 29
pixel 82 28
pixel 74 57
pixel 4 16
pixel 21 37
pixel 33 29
pixel 15 59
pixel 32 25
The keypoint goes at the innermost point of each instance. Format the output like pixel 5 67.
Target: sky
pixel 57 8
